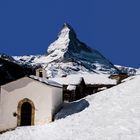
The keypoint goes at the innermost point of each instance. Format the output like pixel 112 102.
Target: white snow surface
pixel 75 79
pixel 69 80
pixel 113 114
pixel 71 87
pixel 62 41
pixel 46 81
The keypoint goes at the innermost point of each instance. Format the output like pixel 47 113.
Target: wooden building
pixel 74 91
pixel 119 77
pixel 78 86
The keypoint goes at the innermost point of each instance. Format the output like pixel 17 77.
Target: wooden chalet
pixel 78 86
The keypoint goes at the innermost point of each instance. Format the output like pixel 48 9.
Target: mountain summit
pixel 67 55
pixel 64 37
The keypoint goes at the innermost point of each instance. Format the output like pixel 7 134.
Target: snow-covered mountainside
pixel 113 114
pixel 67 55
pixel 128 70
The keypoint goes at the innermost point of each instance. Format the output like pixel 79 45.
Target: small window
pixel 40 74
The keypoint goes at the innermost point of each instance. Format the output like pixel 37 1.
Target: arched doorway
pixel 26 112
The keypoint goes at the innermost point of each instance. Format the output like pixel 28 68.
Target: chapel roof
pixel 46 81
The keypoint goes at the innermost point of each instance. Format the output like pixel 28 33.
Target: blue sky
pixel 110 26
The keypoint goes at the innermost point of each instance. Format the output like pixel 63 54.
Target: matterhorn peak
pixel 66 25
pixel 67 48
pixel 67 31
pixel 64 37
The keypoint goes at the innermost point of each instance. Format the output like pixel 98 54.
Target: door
pixel 26 113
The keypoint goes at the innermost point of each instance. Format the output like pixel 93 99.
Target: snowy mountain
pixel 112 114
pixel 129 70
pixel 67 55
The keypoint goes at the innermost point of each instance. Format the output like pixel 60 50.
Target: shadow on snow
pixel 72 108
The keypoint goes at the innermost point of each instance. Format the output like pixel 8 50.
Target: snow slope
pixel 113 114
pixel 67 55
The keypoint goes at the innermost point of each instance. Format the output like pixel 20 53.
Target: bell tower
pixel 41 72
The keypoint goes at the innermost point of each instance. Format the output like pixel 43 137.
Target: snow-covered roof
pixel 92 79
pixel 71 87
pixel 98 79
pixel 46 81
pixel 69 80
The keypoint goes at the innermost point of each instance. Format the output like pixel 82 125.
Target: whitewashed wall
pixel 57 99
pixel 45 101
